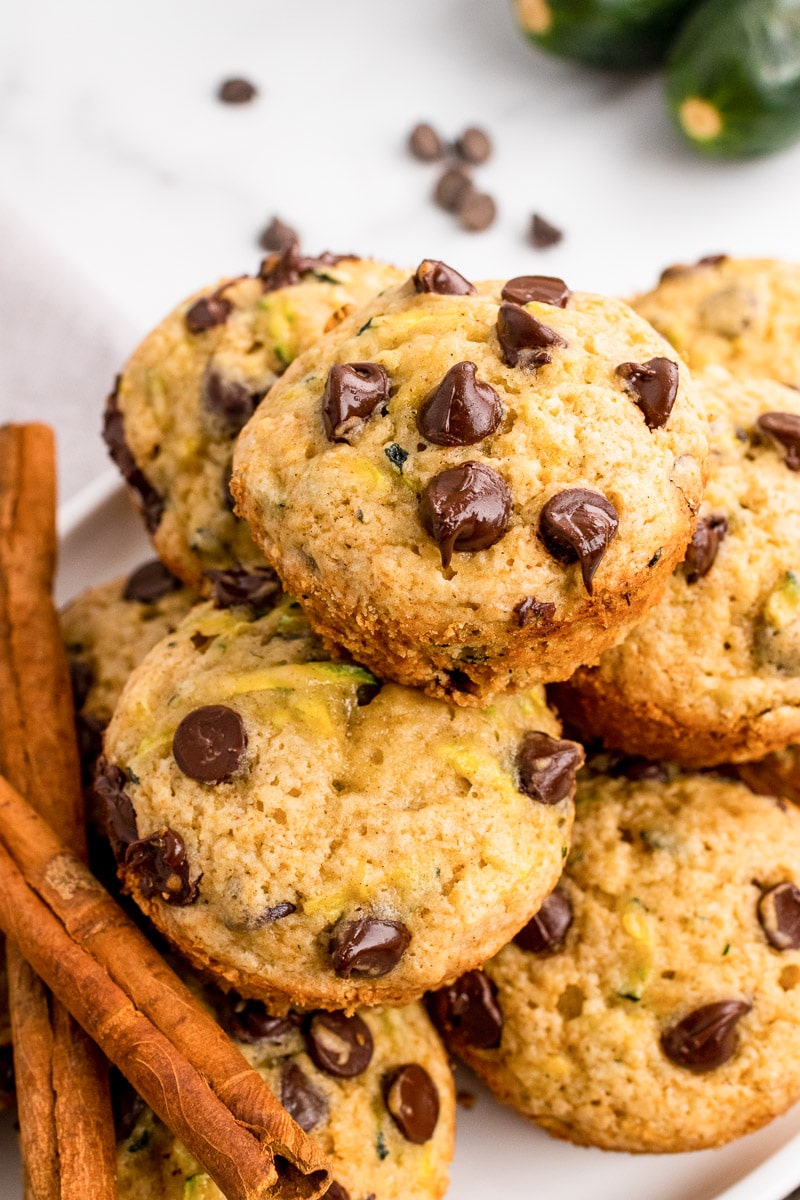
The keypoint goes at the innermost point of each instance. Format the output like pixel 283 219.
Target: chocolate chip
pixel 544 289
pixel 237 91
pixel 120 818
pixel 524 341
pixel 150 582
pixel 434 276
pixel 259 587
pixel 366 693
pixel 230 402
pixel 90 730
pixel 465 508
pixel 546 767
pixel 209 743
pixel 301 1099
pixel 413 1102
pixel 467 1011
pixel 162 867
pixel 779 914
pixel 368 947
pixel 278 236
pixel 424 143
pixel 531 611
pixel 784 429
pixel 461 410
pixel 337 1192
pixel 655 384
pixel 547 929
pixel 81 678
pixel 636 768
pixel 706 1038
pixel 248 1021
pixel 150 502
pixel 352 393
pixel 207 313
pixel 543 234
pixel 578 525
pixel 126 1104
pixel 288 267
pixel 712 260
pixel 476 211
pixel 704 546
pixel 339 1044
pixel 277 912
pixel 474 145
pixel 452 188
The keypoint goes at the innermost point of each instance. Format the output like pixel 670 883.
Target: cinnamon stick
pixel 146 1020
pixel 66 1128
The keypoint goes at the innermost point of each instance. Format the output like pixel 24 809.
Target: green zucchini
pixel 733 77
pixel 605 33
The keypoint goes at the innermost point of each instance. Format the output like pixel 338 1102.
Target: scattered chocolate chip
pixel 301 1099
pixel 543 234
pixel 578 525
pixel 338 1044
pixel 336 1192
pixel 396 455
pixel 150 582
pixel 524 341
pixel 352 393
pixel 467 1011
pixel 451 188
pixel 476 211
pixel 547 766
pixel 368 947
pixel 278 236
pixel 706 1038
pixel 474 145
pixel 230 402
pixel 207 313
pixel 655 384
pixel 784 430
pixel 465 508
pixel 248 1021
pixel 120 818
pixel 461 410
pixel 424 143
pixel 150 502
pixel 162 867
pixel 547 929
pixel 531 611
pixel 413 1102
pixel 779 914
pixel 126 1104
pixel 543 289
pixel 237 91
pixel 434 276
pixel 81 678
pixel 209 743
pixel 289 266
pixel 259 587
pixel 704 546
pixel 90 732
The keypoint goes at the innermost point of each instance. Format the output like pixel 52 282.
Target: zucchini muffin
pixel 712 674
pixel 188 389
pixel 476 489
pixel 319 840
pixel 742 313
pixel 653 1004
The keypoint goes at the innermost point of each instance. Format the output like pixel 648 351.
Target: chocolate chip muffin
pixel 743 313
pixel 653 1004
pixel 318 840
pixel 712 674
pixel 374 1090
pixel 476 488
pixel 188 389
pixel 776 775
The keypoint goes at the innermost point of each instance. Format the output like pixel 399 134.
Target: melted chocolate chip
pixel 230 402
pixel 289 266
pixel 338 1044
pixel 784 430
pixel 467 1011
pixel 150 582
pixel 702 550
pixel 547 766
pixel 162 868
pixel 524 341
pixel 706 1038
pixel 434 276
pixel 120 818
pixel 209 743
pixel 90 732
pixel 237 91
pixel 547 929
pixel 149 501
pixel 126 1104
pixel 543 234
pixel 207 313
pixel 544 289
pixel 779 914
pixel 248 1021
pixel 413 1102
pixel 259 587
pixel 465 508
pixel 461 410
pixel 81 678
pixel 476 211
pixel 278 236
pixel 368 947
pixel 301 1099
pixel 531 611
pixel 655 384
pixel 352 393
pixel 452 189
pixel 577 525
pixel 474 145
pixel 424 143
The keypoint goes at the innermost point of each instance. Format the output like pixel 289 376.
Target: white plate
pixel 497 1152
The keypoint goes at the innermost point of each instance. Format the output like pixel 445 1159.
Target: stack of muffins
pixel 388 512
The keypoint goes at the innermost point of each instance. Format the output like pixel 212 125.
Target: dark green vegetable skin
pixel 743 58
pixel 611 33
